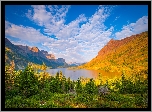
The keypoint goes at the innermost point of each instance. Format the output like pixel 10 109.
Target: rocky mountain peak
pixel 34 49
pixel 44 52
pixel 50 56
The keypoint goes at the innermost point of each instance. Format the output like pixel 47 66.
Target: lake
pixel 77 73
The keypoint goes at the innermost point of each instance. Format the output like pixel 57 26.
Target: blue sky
pixel 74 32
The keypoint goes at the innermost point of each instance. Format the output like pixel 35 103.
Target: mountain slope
pixel 129 54
pixel 24 54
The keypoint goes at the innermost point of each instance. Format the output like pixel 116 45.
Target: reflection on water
pixel 75 74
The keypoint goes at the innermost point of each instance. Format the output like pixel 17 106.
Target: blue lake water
pixel 75 74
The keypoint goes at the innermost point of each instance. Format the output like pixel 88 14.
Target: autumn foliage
pixel 129 54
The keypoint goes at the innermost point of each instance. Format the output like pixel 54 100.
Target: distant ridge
pixel 24 54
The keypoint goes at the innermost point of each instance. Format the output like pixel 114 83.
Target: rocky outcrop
pixel 103 90
pixel 48 56
pixel 31 54
pixel 35 49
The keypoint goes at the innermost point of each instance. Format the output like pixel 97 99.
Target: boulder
pixel 103 90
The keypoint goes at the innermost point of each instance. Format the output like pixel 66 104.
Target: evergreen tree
pixel 79 86
pixel 27 82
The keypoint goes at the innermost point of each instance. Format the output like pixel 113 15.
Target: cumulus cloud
pixel 93 35
pixel 139 26
pixel 78 41
pixel 51 17
pixel 25 33
pixel 70 30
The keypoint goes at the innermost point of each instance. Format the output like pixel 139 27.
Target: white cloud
pixel 82 43
pixel 40 15
pixel 53 20
pixel 139 26
pixel 25 33
pixel 77 43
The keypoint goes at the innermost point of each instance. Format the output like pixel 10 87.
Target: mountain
pixel 49 56
pixel 74 64
pixel 24 54
pixel 129 54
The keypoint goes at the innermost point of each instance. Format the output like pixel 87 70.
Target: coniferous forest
pixel 30 88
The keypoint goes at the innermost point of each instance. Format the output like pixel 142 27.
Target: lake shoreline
pixel 75 74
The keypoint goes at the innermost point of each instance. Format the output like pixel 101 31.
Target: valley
pixel 93 57
pixel 121 66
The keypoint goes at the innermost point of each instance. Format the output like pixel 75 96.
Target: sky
pixel 73 32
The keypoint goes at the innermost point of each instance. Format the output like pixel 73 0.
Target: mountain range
pixel 75 64
pixel 24 54
pixel 129 54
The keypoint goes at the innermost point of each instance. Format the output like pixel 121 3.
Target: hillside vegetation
pixel 129 54
pixel 32 89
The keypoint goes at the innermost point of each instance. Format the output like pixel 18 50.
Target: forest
pixel 33 87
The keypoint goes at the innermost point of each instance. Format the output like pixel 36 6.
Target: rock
pixel 103 90
pixel 34 49
pixel 50 56
pixel 24 54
